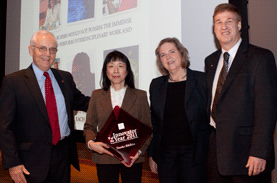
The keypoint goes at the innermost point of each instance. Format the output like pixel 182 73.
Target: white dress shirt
pixel 117 96
pixel 232 52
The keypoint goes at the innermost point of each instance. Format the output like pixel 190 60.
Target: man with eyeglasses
pixel 36 112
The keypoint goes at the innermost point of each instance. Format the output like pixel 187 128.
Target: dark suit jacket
pixel 246 112
pixel 100 107
pixel 25 131
pixel 195 104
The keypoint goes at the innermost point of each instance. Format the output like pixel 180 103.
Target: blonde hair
pixel 183 51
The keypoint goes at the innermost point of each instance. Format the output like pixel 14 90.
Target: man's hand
pixel 153 165
pixel 255 165
pixel 100 147
pixel 17 173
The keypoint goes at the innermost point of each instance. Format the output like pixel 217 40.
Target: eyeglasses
pixel 43 49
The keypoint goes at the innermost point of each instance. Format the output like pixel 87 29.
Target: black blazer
pixel 25 131
pixel 195 104
pixel 246 112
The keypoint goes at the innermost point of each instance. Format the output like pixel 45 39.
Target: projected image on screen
pixel 132 53
pixel 56 63
pixel 115 6
pixel 81 72
pixel 84 79
pixel 80 10
pixel 49 14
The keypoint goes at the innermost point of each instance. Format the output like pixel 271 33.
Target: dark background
pixel 3 11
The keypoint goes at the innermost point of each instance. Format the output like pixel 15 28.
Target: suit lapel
pixel 129 99
pixel 235 67
pixel 189 84
pixel 161 97
pixel 211 73
pixel 32 84
pixel 106 101
pixel 59 80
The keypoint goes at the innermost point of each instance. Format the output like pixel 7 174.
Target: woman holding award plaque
pixel 179 148
pixel 117 90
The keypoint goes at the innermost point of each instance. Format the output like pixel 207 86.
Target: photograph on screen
pixel 56 63
pixel 49 14
pixel 82 75
pixel 116 6
pixel 132 53
pixel 80 10
pixel 84 79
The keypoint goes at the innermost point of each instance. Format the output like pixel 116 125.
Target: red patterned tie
pixel 52 109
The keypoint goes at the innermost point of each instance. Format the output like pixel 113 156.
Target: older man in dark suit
pixel 36 111
pixel 242 85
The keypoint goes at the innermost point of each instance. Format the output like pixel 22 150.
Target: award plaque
pixel 124 134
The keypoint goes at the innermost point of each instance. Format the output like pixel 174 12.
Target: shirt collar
pixel 118 91
pixel 233 50
pixel 39 73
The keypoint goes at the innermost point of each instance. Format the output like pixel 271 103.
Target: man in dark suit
pixel 242 104
pixel 36 128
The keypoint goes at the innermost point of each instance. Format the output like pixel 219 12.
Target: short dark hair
pixel 183 51
pixel 111 57
pixel 227 7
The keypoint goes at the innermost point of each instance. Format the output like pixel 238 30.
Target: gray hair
pixel 38 33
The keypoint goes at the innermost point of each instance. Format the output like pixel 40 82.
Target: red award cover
pixel 124 134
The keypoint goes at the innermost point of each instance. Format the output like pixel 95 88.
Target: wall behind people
pixel 197 30
pixel 12 42
pixel 262 24
pixel 3 5
pixel 262 32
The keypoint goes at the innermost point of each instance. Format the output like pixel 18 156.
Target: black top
pixel 176 128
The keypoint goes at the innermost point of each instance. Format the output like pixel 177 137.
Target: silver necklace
pixel 175 80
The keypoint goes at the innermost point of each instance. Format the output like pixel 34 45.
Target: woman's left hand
pixel 133 159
